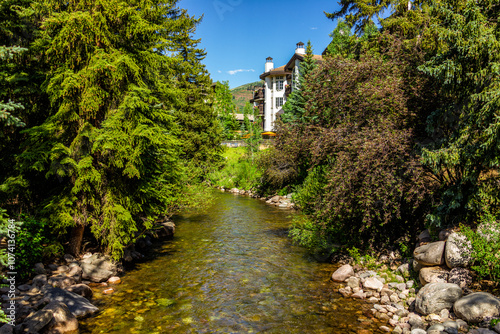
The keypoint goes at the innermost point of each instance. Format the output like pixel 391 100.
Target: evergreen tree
pixel 465 155
pixel 106 156
pixel 225 109
pixel 294 108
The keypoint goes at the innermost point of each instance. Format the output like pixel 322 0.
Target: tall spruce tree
pixel 465 156
pixel 106 156
pixel 294 108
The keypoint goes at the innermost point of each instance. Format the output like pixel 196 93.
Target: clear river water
pixel 230 269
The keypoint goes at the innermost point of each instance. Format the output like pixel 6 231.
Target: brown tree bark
pixel 75 240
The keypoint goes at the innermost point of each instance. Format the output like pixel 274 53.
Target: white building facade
pixel 278 83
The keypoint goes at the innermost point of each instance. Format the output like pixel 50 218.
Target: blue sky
pixel 239 35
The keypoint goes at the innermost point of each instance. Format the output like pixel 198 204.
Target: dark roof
pixel 275 71
pixel 300 57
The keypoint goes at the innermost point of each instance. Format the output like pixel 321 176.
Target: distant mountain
pixel 244 94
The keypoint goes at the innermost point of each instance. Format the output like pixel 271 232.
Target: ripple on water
pixel 229 270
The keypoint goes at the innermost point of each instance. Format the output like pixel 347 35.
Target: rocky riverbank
pixel 429 294
pixel 61 293
pixel 275 200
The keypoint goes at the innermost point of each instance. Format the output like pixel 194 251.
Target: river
pixel 231 269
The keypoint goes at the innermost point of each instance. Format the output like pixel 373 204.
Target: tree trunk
pixel 75 240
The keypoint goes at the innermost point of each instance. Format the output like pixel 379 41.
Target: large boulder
pixel 61 281
pixel 434 297
pixel 477 306
pixel 430 254
pixel 433 275
pixel 63 322
pixel 78 305
pixel 36 321
pixel 458 251
pixel 343 273
pixel 98 268
pixel 165 229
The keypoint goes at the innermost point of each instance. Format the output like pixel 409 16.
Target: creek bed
pixel 231 269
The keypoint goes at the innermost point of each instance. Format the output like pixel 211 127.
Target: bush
pixel 485 242
pixel 32 244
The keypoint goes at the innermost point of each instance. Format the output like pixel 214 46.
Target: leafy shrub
pixel 32 244
pixel 485 242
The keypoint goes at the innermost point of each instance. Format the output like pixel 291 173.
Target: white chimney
pixel 269 64
pixel 300 49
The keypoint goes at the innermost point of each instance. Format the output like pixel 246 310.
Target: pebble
pixel 385 329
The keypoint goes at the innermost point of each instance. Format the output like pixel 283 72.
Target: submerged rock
pixel 78 305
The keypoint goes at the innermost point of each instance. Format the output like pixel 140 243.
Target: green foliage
pixel 307 193
pixel 485 247
pixel 226 110
pixel 294 108
pixel 237 171
pixel 253 131
pixel 307 233
pixel 464 154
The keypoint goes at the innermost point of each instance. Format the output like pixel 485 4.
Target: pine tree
pixel 465 156
pixel 106 156
pixel 294 108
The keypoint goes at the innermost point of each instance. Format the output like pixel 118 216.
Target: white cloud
pixel 233 72
pixel 219 71
pixel 314 28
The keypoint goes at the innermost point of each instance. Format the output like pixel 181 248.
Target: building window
pixel 279 102
pixel 279 83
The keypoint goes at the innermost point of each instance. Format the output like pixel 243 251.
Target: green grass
pixel 237 171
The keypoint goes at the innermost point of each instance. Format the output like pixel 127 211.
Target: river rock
pixel 353 282
pixel 39 280
pixel 7 329
pixel 343 273
pixel 433 275
pixel 430 254
pixel 36 321
pixel 373 283
pixel 461 277
pixel 81 290
pixel 40 269
pixel 165 229
pixel 434 297
pixel 424 236
pixel 78 305
pixel 63 322
pixel 457 251
pixel 61 281
pixel 98 268
pixel 114 280
pixel 482 331
pixel 477 306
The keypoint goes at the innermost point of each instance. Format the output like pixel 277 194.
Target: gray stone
pixel 404 269
pixel 38 320
pixel 366 274
pixel 359 295
pixel 40 269
pixel 69 258
pixel 443 234
pixel 436 327
pixel 61 281
pixel 24 287
pixel 418 331
pixel 457 251
pixel 482 331
pixel 82 290
pixel 64 322
pixel 6 329
pixel 461 277
pixel 416 321
pixel 430 254
pixel 410 284
pixel 39 280
pixel 497 328
pixel 353 282
pixel 476 307
pixel 424 236
pixel 98 268
pixel 433 275
pixel 373 283
pixel 343 273
pixel 435 297
pixel 78 305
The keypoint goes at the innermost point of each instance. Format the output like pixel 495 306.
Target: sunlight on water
pixel 229 270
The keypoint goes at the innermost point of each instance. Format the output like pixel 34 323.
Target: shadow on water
pixel 232 269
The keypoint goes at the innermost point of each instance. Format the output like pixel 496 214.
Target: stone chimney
pixel 300 49
pixel 269 64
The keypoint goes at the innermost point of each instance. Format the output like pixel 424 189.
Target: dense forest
pixel 107 124
pixel 397 129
